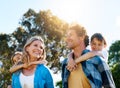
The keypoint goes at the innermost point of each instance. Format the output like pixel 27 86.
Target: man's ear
pixel 82 38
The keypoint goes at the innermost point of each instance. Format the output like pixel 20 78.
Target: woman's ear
pixel 27 48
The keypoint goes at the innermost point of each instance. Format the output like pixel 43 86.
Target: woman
pixel 34 76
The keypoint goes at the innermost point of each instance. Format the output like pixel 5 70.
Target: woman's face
pixel 35 49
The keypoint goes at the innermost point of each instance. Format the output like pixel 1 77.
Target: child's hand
pixel 44 62
pixel 25 65
pixel 71 63
pixel 38 62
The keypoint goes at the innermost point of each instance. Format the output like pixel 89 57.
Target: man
pixel 93 73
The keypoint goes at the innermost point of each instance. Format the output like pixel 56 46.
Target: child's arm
pixel 38 62
pixel 71 63
pixel 17 67
pixel 87 56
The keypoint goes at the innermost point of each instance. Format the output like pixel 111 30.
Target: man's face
pixel 72 39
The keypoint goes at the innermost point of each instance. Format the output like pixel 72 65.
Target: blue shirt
pixel 42 78
pixel 96 70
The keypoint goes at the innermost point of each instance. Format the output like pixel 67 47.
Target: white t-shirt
pixel 27 81
pixel 105 55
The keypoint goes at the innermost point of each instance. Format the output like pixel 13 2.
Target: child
pixel 97 44
pixel 18 63
pixel 16 60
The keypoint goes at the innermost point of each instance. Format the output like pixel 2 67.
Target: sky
pixel 101 16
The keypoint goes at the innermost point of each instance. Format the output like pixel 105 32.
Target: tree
pixel 114 53
pixel 52 30
pixel 5 52
pixel 4 45
pixel 114 61
pixel 116 76
pixel 43 23
pixel 5 75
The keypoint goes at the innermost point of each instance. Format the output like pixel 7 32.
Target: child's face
pixel 16 58
pixel 97 45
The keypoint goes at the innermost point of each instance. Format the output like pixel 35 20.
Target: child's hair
pixel 99 36
pixel 17 52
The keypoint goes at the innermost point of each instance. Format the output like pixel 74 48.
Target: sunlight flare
pixel 70 10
